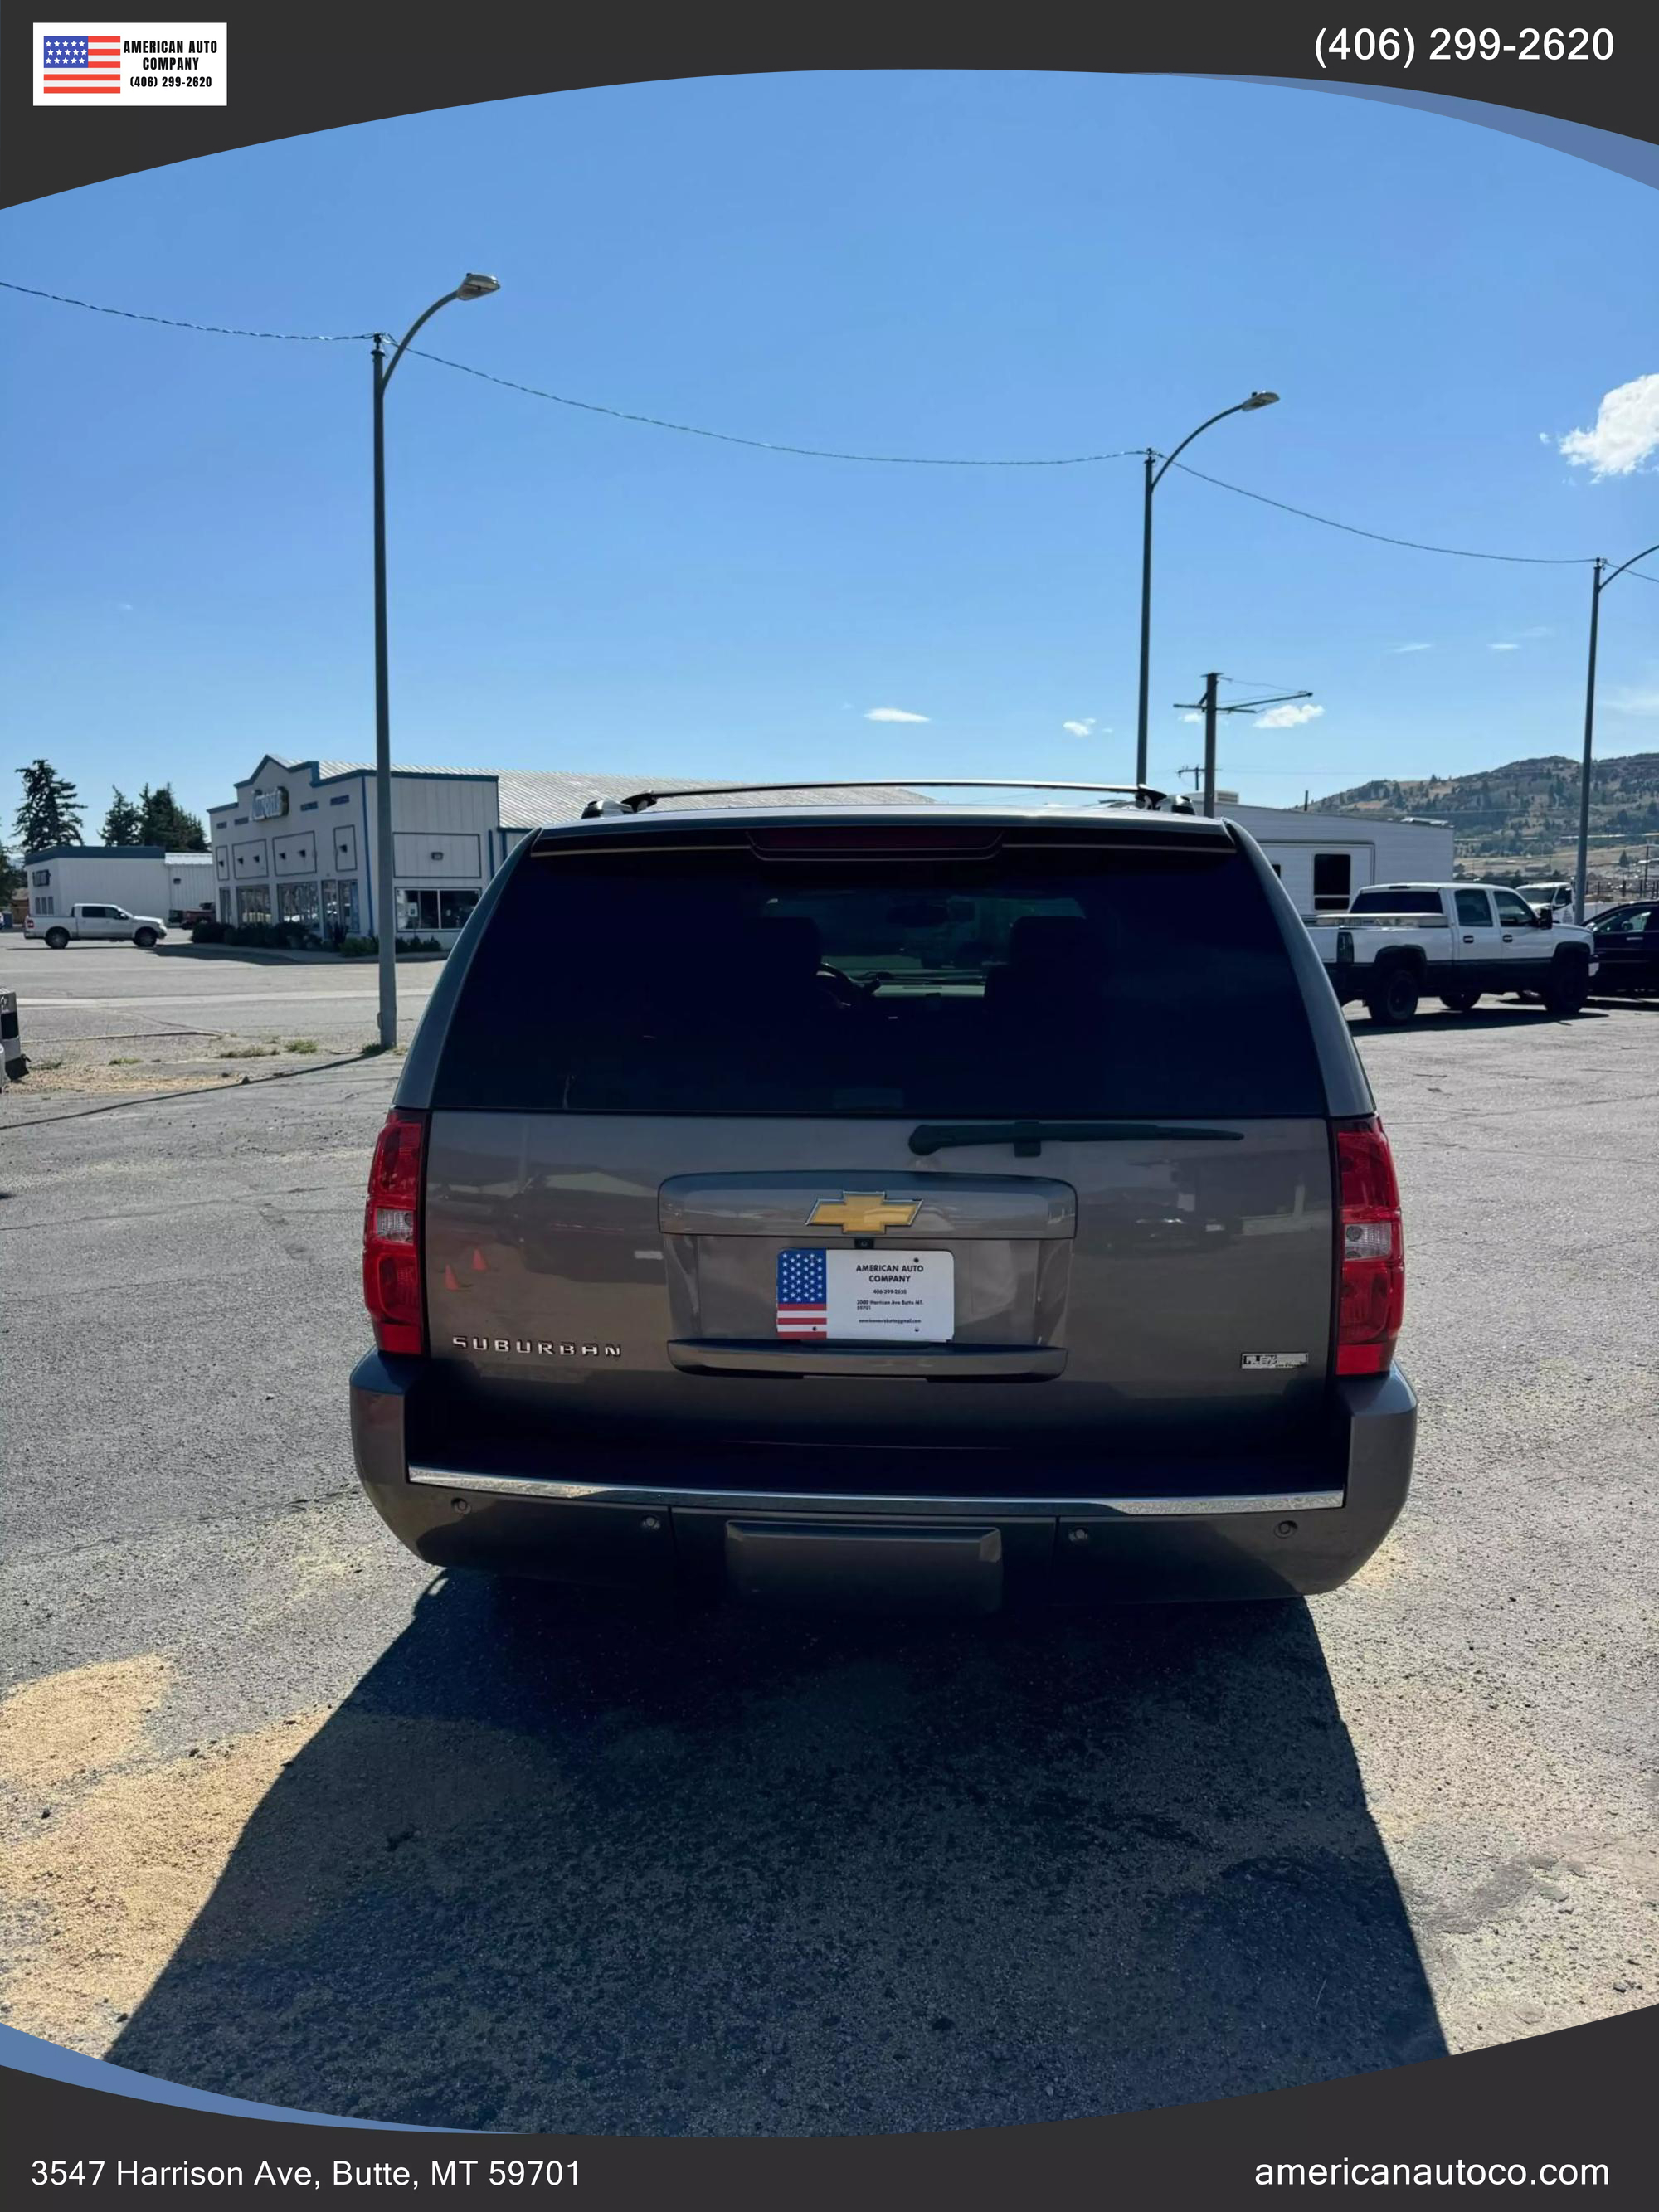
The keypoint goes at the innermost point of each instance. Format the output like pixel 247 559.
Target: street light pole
pixel 471 287
pixel 1581 873
pixel 1153 476
pixel 384 852
pixel 1599 583
pixel 1145 616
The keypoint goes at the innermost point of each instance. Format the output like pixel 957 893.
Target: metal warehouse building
pixel 143 879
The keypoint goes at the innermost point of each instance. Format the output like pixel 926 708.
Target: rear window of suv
pixel 1032 984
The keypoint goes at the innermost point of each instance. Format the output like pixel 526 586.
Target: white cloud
pixel 1632 701
pixel 1503 647
pixel 1192 718
pixel 893 714
pixel 1288 717
pixel 1538 630
pixel 1627 431
pixel 1082 729
pixel 1418 647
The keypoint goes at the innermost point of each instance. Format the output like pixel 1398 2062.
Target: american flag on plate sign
pixel 91 63
pixel 803 1292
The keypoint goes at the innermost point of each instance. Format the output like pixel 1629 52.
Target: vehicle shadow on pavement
pixel 1483 1017
pixel 555 1864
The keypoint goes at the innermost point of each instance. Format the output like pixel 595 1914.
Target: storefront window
pixel 429 910
pixel 253 902
pixel 297 903
pixel 416 910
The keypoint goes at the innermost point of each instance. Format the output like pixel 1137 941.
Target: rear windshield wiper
pixel 1028 1138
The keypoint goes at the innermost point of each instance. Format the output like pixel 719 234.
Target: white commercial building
pixel 145 879
pixel 298 842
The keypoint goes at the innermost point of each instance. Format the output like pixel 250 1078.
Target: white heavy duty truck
pixel 1399 943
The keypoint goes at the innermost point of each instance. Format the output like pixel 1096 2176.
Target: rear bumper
pixel 837 1547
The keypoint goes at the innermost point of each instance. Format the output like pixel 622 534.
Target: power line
pixel 813 452
pixel 176 322
pixel 1414 544
pixel 775 446
pixel 587 406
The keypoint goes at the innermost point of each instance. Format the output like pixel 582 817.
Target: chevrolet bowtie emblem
pixel 863 1212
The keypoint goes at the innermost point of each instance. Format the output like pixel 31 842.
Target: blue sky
pixel 981 263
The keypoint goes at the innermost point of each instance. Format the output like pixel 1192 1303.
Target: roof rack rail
pixel 1144 794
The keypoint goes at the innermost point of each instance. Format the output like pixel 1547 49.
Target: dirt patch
pixel 56 1730
pixel 137 1851
pixel 120 1067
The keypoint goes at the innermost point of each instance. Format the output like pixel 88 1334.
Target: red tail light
pixel 1373 1288
pixel 394 1289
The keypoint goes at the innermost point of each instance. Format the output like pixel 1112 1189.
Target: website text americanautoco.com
pixel 1428 2173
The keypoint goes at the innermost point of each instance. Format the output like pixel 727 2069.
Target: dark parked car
pixel 912 1206
pixel 1627 947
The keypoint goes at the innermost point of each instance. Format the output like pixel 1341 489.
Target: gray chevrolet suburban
pixel 909 1205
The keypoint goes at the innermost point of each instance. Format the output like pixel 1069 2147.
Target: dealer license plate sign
pixel 893 1297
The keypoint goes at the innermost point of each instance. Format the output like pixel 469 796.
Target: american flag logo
pixel 803 1292
pixel 77 64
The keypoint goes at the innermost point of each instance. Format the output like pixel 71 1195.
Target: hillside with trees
pixel 1521 819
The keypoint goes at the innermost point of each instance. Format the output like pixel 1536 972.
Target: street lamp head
pixel 1256 398
pixel 474 287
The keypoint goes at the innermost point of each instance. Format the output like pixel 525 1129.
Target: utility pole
pixel 1210 683
pixel 1209 709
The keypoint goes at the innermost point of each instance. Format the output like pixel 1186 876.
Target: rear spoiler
pixel 903 839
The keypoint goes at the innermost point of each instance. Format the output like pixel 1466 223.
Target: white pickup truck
pixel 1400 941
pixel 84 923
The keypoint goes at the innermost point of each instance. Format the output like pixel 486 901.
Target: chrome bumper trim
pixel 649 1495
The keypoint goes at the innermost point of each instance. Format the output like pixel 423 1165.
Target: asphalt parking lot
pixel 294 1819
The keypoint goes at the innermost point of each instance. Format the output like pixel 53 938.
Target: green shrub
pixel 269 936
pixel 208 933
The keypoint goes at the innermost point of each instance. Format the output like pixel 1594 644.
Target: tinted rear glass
pixel 1396 902
pixel 1071 984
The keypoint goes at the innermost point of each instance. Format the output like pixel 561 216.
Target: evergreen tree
pixel 50 811
pixel 162 821
pixel 11 878
pixel 121 824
